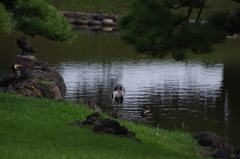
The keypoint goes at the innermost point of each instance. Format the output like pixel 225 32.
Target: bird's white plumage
pixel 118 93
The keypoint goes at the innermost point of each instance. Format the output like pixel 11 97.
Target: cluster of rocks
pixel 93 21
pixel 80 18
pixel 210 140
pixel 102 23
pixel 106 126
pixel 214 141
pixel 38 79
pixel 116 114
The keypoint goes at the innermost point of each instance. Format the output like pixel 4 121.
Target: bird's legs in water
pixel 119 108
pixel 119 105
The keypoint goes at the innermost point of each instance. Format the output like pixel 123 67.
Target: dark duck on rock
pixel 143 118
pixel 7 80
pixel 25 45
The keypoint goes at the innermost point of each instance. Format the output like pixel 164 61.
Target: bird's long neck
pixel 120 92
pixel 144 115
pixel 113 95
pixel 14 71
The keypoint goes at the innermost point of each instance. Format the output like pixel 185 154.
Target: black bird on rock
pixel 118 93
pixel 143 117
pixel 25 45
pixel 7 80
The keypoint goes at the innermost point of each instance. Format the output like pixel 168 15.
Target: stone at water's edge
pixel 106 126
pixel 37 79
pixel 208 139
pixel 212 140
pixel 24 60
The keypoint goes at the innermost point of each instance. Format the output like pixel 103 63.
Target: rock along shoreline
pixel 93 21
pixel 102 23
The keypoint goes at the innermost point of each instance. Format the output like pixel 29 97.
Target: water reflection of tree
pixel 228 103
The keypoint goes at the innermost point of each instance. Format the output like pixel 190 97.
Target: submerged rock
pixel 38 79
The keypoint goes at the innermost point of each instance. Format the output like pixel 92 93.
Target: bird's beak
pixel 146 111
pixel 17 65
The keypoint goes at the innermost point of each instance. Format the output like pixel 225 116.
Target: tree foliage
pixel 155 28
pixel 229 22
pixel 37 17
pixel 6 22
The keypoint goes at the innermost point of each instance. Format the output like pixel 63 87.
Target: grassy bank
pixel 118 7
pixel 40 128
pixel 121 7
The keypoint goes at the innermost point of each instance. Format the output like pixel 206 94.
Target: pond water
pixel 198 94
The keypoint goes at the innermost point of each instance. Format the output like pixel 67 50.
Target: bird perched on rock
pixel 143 117
pixel 25 45
pixel 118 94
pixel 7 80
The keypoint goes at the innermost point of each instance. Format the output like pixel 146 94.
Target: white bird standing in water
pixel 118 93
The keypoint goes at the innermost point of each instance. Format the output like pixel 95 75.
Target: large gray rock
pixel 38 79
pixel 107 22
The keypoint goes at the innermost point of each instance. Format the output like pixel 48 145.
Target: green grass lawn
pixel 32 128
pixel 121 7
pixel 118 7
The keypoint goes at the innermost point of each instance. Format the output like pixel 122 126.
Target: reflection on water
pixel 170 89
pixel 201 93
